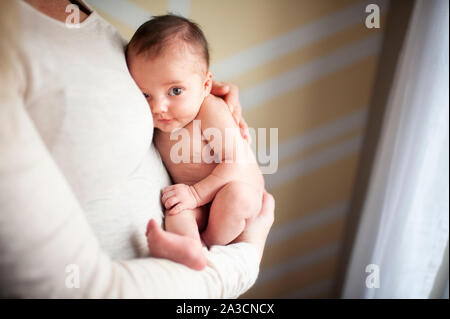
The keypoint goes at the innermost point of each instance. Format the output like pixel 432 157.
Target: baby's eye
pixel 146 95
pixel 175 91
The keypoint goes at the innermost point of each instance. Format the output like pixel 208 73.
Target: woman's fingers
pixel 263 222
pixel 268 209
pixel 243 127
pixel 219 88
pixel 232 98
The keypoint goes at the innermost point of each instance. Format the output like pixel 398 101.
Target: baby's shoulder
pixel 212 107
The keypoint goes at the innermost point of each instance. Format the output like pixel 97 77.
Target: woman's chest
pixel 91 117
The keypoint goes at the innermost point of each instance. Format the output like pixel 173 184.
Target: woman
pixel 79 177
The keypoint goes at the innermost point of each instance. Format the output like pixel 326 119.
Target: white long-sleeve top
pixel 80 178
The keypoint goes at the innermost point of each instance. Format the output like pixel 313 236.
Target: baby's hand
pixel 178 197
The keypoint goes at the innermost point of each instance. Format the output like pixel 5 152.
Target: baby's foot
pixel 181 249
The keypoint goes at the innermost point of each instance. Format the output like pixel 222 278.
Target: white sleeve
pixel 46 242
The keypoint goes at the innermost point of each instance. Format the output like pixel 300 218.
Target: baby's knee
pixel 243 195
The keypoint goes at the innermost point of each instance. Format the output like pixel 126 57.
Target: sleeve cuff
pixel 237 267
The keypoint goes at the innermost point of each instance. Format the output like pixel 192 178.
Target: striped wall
pixel 306 67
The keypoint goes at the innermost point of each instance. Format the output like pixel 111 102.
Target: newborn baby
pixel 219 184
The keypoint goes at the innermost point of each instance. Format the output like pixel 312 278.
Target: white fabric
pixel 80 179
pixel 405 222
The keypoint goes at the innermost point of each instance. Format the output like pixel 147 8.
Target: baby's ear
pixel 208 83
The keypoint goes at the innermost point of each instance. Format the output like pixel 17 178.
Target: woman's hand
pixel 230 94
pixel 258 228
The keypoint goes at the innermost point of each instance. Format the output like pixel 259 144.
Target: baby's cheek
pixel 180 111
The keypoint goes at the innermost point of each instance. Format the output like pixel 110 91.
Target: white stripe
pixel 124 11
pixel 297 263
pixel 180 7
pixel 303 224
pixel 342 125
pixel 315 161
pixel 292 41
pixel 311 291
pixel 309 72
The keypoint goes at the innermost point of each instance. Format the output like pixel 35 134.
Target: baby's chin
pixel 167 127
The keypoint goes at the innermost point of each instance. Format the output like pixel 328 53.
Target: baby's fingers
pixel 177 209
pixel 166 195
pixel 171 202
pixel 168 188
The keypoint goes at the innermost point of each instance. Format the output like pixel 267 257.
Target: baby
pixel 169 60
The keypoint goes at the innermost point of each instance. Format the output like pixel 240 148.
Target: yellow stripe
pixel 235 25
pixel 155 7
pixel 303 56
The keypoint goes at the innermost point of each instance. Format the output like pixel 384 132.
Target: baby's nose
pixel 158 106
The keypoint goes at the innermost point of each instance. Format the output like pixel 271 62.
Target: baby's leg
pixel 181 240
pixel 232 206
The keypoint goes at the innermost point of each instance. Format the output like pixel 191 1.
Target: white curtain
pixel 404 225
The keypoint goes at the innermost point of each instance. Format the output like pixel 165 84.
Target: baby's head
pixel 169 60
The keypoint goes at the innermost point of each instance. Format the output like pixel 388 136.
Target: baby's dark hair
pixel 156 34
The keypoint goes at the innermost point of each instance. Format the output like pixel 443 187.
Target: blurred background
pixel 315 71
